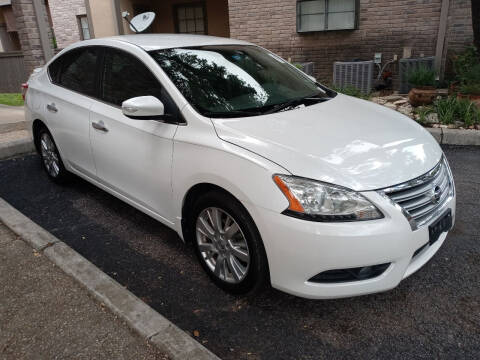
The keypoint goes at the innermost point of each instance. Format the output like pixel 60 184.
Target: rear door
pixel 133 157
pixel 66 104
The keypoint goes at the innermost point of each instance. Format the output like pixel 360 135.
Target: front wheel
pixel 228 244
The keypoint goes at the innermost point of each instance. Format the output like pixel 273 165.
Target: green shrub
pixel 421 76
pixel 452 109
pixel 464 62
pixel 351 91
pixel 470 89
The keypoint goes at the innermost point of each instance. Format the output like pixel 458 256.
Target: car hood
pixel 344 141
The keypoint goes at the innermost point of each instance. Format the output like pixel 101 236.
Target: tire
pixel 245 266
pixel 51 160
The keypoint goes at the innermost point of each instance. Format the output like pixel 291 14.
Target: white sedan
pixel 273 177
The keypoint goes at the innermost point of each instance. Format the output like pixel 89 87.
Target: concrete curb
pixel 455 136
pixel 148 323
pixel 16 148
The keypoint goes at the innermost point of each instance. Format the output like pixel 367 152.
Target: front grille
pixel 422 198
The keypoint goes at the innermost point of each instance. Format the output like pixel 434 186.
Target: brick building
pixel 319 31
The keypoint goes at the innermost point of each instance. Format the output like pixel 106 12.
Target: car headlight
pixel 317 201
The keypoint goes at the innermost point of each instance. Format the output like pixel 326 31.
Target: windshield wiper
pixel 233 113
pixel 294 102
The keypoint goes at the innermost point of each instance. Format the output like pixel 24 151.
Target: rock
pixel 436 125
pixel 477 126
pixel 459 123
pixel 400 102
pixel 431 118
pixel 451 126
pixel 442 92
pixel 406 109
pixel 391 106
pixel 392 98
pixel 378 100
pixel 443 126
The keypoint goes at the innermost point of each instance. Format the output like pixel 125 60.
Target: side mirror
pixel 143 108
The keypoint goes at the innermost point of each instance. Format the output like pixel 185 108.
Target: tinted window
pixel 125 77
pixel 229 78
pixel 54 69
pixel 78 70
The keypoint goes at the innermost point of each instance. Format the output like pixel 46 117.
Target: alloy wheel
pixel 223 245
pixel 49 155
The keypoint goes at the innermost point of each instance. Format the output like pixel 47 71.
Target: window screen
pixel 78 70
pixel 191 18
pixel 321 15
pixel 125 77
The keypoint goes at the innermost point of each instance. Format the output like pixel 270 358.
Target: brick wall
pixel 28 33
pixel 384 26
pixel 64 17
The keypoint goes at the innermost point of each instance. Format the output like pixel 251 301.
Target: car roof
pixel 150 42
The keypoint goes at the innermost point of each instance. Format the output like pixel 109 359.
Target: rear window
pixel 76 70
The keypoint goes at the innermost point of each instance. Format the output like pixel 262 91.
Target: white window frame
pixel 355 25
pixel 81 28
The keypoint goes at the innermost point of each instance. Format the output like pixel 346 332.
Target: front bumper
pixel 297 250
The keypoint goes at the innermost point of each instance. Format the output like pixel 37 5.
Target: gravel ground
pixel 435 313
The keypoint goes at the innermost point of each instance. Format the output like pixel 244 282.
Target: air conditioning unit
pixel 307 68
pixel 358 74
pixel 407 65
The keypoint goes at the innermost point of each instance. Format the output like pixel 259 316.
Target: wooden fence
pixel 12 72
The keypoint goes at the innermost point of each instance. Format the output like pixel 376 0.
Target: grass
pixel 12 99
pixel 422 112
pixel 451 109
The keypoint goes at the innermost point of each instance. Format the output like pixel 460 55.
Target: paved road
pixel 434 313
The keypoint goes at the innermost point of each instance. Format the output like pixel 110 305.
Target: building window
pixel 322 15
pixel 191 18
pixel 83 27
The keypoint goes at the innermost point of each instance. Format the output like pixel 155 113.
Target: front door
pixel 133 157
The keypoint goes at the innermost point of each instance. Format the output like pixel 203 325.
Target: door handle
pixel 52 108
pixel 99 126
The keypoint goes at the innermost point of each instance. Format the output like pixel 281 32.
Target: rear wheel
pixel 228 244
pixel 51 160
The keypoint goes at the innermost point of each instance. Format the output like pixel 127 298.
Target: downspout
pixel 442 30
pixel 89 19
pixel 117 13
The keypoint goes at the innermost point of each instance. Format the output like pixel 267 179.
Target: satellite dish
pixel 141 22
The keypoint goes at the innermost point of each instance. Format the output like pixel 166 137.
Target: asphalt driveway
pixel 434 313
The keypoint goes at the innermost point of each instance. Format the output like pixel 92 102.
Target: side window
pixel 54 69
pixel 125 77
pixel 78 70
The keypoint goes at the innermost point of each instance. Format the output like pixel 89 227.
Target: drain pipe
pixel 442 30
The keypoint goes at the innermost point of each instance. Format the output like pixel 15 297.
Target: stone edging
pixel 145 321
pixel 15 148
pixel 455 136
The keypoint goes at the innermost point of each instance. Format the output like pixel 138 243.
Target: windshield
pixel 236 79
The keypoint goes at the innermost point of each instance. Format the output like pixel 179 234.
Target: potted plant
pixel 423 91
